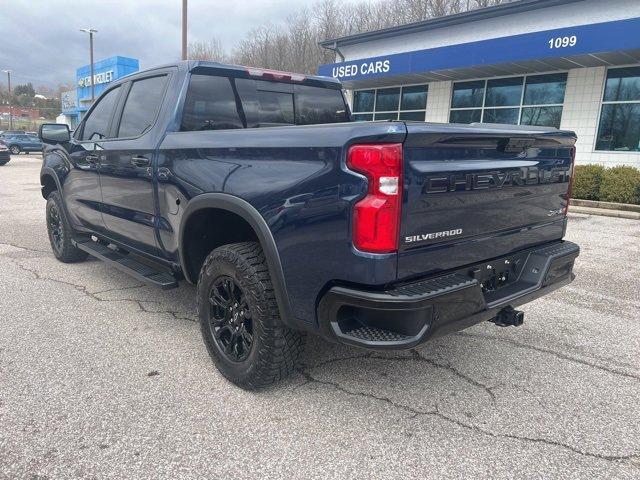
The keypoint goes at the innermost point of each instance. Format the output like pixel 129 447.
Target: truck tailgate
pixel 475 192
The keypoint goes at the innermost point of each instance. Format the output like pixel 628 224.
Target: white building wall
pixel 438 100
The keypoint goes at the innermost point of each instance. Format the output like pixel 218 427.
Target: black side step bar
pixel 127 263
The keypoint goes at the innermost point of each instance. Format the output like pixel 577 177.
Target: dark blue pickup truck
pixel 256 186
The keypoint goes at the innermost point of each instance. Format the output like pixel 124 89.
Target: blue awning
pixel 608 43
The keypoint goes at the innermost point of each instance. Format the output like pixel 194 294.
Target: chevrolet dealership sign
pixel 98 78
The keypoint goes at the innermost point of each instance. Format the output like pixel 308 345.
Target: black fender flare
pixel 50 172
pixel 244 209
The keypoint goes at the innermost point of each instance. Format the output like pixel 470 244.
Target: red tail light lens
pixel 376 218
pixel 570 186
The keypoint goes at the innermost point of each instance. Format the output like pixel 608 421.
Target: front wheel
pixel 60 232
pixel 239 318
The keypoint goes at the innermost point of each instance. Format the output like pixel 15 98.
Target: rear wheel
pixel 239 318
pixel 60 232
pixel 15 149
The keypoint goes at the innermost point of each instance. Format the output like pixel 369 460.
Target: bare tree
pixel 293 45
pixel 208 50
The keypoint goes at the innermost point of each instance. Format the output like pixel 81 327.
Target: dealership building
pixel 571 64
pixel 76 102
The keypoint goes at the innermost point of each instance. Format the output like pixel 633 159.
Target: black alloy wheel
pixel 240 319
pixel 60 232
pixel 230 319
pixel 56 228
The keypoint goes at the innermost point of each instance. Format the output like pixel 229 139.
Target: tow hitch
pixel 509 316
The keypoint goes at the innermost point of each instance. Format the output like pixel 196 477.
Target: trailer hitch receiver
pixel 509 316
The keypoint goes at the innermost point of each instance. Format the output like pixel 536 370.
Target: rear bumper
pixel 408 314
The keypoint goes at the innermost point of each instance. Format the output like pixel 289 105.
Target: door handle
pixel 140 161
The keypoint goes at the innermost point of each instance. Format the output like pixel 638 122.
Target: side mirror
pixel 53 133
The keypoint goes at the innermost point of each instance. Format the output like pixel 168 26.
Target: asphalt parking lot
pixel 101 377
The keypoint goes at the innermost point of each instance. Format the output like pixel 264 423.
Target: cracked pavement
pixel 102 377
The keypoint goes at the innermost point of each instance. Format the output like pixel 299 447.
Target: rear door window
pixel 210 105
pixel 142 106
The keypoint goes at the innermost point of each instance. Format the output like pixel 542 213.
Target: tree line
pixel 24 96
pixel 293 45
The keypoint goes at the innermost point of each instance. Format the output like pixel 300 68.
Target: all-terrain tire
pixel 275 348
pixel 60 231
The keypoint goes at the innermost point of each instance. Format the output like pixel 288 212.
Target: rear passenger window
pixel 266 103
pixel 319 105
pixel 210 105
pixel 275 107
pixel 142 106
pixel 97 123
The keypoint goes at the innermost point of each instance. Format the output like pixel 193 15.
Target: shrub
pixel 586 182
pixel 620 184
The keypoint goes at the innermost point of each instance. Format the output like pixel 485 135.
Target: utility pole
pixel 91 31
pixel 8 72
pixel 184 29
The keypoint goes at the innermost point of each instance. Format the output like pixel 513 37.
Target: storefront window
pixel 504 92
pixel 501 115
pixel 467 94
pixel 404 103
pixel 465 116
pixel 529 100
pixel 545 89
pixel 414 98
pixel 619 128
pixel 364 100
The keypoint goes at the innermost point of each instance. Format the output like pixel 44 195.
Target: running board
pixel 127 263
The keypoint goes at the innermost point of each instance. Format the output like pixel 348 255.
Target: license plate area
pixel 499 273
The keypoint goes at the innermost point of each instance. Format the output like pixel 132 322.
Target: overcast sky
pixel 41 43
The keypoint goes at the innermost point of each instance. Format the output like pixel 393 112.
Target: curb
pixel 605 212
pixel 605 205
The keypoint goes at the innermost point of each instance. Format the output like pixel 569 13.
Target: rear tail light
pixel 276 75
pixel 570 186
pixel 376 218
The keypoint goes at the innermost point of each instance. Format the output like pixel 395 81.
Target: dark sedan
pixel 4 153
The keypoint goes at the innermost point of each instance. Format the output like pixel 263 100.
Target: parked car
pixel 23 143
pixel 4 153
pixel 11 133
pixel 256 186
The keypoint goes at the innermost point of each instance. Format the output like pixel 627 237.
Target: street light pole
pixel 8 72
pixel 184 29
pixel 90 31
